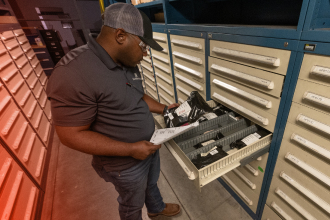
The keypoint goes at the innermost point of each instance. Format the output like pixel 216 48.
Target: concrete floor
pixel 75 191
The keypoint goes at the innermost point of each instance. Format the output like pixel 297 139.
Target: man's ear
pixel 120 35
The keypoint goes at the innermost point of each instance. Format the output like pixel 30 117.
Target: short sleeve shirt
pixel 88 87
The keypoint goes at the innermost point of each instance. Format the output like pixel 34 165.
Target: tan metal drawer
pixel 26 47
pixel 161 58
pixel 165 88
pixel 47 110
pixel 146 66
pixel 163 67
pixel 162 54
pixel 164 46
pixel 38 70
pixel 11 44
pixel 164 77
pixel 5 60
pixel 296 196
pixel 7 35
pixel 167 98
pixel 269 214
pixel 147 59
pixel 245 108
pixel 262 101
pixel 253 182
pixel 160 37
pixel 34 62
pixel 36 88
pixel 18 32
pixel 313 95
pixel 22 39
pixel 27 71
pixel 30 54
pixel 270 59
pixel 21 61
pixel 16 53
pixel 44 129
pixel 42 99
pixel 148 77
pixel 310 119
pixel 151 87
pixel 191 43
pixel 266 82
pixel 150 83
pixel 188 69
pixel 243 191
pixel 185 84
pixel 315 68
pixel 308 147
pixel 152 93
pixel 182 97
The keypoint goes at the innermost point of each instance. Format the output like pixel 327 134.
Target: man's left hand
pixel 173 105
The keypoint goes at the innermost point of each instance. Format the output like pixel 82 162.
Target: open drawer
pixel 232 129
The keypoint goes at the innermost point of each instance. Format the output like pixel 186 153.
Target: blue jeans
pixel 136 186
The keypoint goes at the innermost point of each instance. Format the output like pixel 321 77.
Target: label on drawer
pixel 252 138
pixel 317 98
pixel 184 109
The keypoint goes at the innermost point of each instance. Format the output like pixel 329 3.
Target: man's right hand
pixel 143 149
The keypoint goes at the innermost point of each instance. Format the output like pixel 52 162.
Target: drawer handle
pixel 152 95
pixel 33 84
pixel 164 78
pixel 162 68
pixel 5 63
pixel 164 51
pixel 292 203
pixel 190 82
pixel 10 75
pixel 252 170
pixel 317 99
pixel 19 54
pixel 21 65
pixel 181 100
pixel 7 35
pixel 243 76
pixel 149 77
pixel 39 93
pixel 165 89
pixel 250 113
pixel 188 70
pixel 151 86
pixel 28 211
pixel 245 179
pixel 161 95
pixel 147 68
pixel 190 173
pixel 2 51
pixel 163 39
pixel 40 52
pixel 23 41
pixel 10 122
pixel 273 61
pixel 309 169
pixel 43 102
pixel 259 158
pixel 280 211
pixel 160 58
pixel 263 102
pixel 310 145
pixel 17 86
pixel 188 57
pixel 35 64
pixel 29 147
pixel 38 120
pixel 186 92
pixel 44 81
pixel 26 48
pixel 146 59
pixel 320 71
pixel 4 170
pixel 30 57
pixel 25 98
pixel 40 162
pixel 45 138
pixel 247 200
pixel 12 196
pixel 20 135
pixel 187 43
pixel 320 202
pixel 313 123
pixel 18 32
pixel 28 73
pixel 12 45
pixel 4 102
pixel 33 107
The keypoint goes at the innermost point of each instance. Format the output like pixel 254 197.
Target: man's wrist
pixel 165 109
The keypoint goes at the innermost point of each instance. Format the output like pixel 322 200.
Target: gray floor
pixel 74 191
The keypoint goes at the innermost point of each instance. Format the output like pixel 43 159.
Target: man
pixel 99 108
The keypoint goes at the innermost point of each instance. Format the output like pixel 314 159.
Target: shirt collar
pixel 100 52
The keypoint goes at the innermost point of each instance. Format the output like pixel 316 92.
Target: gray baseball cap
pixel 132 20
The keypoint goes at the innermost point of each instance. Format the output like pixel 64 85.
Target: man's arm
pixel 156 107
pixel 82 139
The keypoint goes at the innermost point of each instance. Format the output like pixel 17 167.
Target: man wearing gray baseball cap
pixel 99 108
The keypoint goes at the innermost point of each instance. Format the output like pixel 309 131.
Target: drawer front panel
pixel 161 66
pixel 185 84
pixel 163 86
pixel 315 68
pixel 160 37
pixel 44 129
pixel 152 93
pixel 261 100
pixel 47 110
pixel 310 119
pixel 38 69
pixel 313 95
pixel 270 59
pixel 146 67
pixel 26 47
pixel 191 43
pixel 245 108
pixel 161 57
pixel 266 82
pixel 150 84
pixel 164 78
pixel 191 70
pixel 167 98
pixel 269 214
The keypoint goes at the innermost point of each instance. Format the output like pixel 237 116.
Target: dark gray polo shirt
pixel 88 87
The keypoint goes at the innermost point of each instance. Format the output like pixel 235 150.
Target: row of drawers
pixel 18 195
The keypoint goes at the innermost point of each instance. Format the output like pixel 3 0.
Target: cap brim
pixel 152 43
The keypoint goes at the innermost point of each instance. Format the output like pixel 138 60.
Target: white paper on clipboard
pixel 162 135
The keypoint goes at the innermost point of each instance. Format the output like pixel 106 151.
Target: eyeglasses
pixel 144 47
